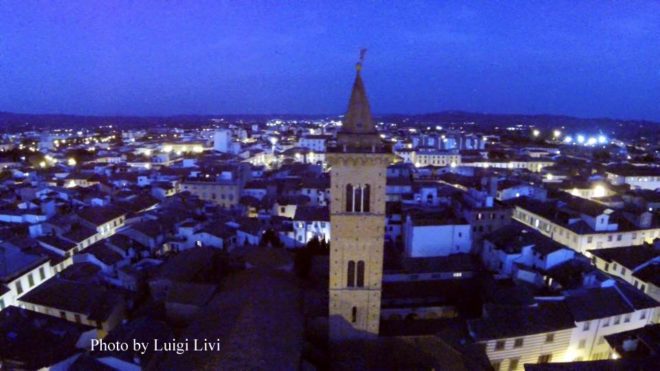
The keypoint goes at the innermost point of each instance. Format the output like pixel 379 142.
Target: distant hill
pixel 542 121
pixel 19 121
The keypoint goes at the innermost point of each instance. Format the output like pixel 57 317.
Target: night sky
pixel 587 58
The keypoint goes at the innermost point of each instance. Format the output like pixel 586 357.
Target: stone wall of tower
pixel 356 237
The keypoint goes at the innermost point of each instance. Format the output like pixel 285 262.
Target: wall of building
pixel 28 281
pixel 587 338
pixel 437 240
pixel 533 346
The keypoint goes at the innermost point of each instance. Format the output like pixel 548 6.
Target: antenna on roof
pixel 363 52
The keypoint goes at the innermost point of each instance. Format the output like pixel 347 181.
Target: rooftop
pixel 505 322
pixel 95 301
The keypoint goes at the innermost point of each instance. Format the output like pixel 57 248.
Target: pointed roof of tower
pixel 358 117
pixel 358 132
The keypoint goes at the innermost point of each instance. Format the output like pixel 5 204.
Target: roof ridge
pixel 623 296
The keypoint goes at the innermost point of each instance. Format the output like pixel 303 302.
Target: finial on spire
pixel 358 66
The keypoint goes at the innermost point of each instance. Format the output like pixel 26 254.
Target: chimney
pixel 645 219
pixel 493 186
pixel 630 345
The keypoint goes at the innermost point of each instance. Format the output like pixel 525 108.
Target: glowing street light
pixel 556 134
pixel 536 132
pixel 580 138
pixel 602 139
pixel 568 139
pixel 72 161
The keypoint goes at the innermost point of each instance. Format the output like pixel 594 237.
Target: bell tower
pixel 357 214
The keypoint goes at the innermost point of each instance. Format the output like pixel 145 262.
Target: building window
pixel 351 274
pixel 626 318
pixel 601 340
pixel 518 343
pixel 606 322
pixel 77 318
pixel 30 280
pixel 513 364
pixel 360 274
pixel 354 315
pixel 499 345
pixel 19 288
pixel 545 358
pixel 349 198
pixel 62 315
pixel 585 326
pixel 617 320
pixel 582 344
pixel 549 338
pixel 497 365
pixel 2 304
pixel 42 273
pixel 357 200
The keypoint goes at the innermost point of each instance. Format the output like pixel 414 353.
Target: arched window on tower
pixel 350 276
pixel 349 198
pixel 358 199
pixel 366 198
pixel 360 274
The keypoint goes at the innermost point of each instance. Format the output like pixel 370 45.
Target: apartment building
pixel 585 225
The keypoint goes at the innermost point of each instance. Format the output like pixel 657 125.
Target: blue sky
pixel 585 58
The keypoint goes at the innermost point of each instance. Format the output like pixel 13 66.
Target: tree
pixel 601 155
pixel 303 259
pixel 270 238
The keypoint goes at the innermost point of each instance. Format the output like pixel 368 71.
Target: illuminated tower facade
pixel 357 213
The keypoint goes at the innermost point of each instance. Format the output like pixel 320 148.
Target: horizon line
pixel 211 115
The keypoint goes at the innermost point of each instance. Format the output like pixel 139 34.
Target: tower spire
pixel 358 132
pixel 358 116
